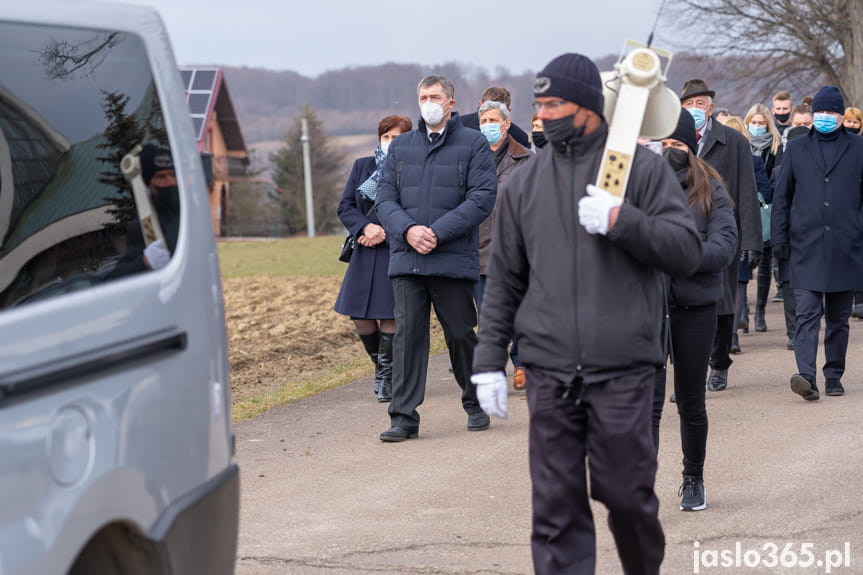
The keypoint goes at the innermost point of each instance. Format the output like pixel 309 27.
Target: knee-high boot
pixel 385 367
pixel 371 341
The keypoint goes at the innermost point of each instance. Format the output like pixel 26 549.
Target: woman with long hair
pixel 367 292
pixel 692 305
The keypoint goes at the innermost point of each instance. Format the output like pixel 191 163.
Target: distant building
pixel 219 136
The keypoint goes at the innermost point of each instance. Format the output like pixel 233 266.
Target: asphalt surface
pixel 322 495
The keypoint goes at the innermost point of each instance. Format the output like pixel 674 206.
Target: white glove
pixel 491 392
pixel 157 255
pixel 593 209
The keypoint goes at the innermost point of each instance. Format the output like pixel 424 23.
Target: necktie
pixel 434 136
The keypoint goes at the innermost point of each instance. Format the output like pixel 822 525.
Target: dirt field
pixel 283 330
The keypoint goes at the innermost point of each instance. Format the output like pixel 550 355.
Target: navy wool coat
pixel 367 291
pixel 818 212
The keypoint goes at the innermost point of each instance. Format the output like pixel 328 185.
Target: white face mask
pixel 384 147
pixel 432 113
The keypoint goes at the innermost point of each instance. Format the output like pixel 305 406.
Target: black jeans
pixel 610 427
pixel 691 338
pixel 454 306
pixel 719 355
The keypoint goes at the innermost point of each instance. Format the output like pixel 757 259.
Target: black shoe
pixel 790 344
pixel 397 434
pixel 735 344
pixel 760 324
pixel 833 387
pixel 477 421
pixel 718 379
pixel 804 386
pixel 673 398
pixel 694 497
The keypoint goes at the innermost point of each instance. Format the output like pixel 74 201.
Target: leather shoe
pixel 804 386
pixel 718 380
pixel 477 421
pixel 834 387
pixel 396 434
pixel 790 344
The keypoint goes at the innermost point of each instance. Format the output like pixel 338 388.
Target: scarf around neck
pixel 760 143
pixel 369 188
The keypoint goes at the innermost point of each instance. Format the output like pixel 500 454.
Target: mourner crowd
pixel 502 231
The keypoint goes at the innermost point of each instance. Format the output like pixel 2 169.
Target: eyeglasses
pixel 550 106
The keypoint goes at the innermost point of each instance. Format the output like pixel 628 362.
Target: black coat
pixel 367 291
pixel 729 153
pixel 818 212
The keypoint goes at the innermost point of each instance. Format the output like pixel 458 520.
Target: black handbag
pixel 347 249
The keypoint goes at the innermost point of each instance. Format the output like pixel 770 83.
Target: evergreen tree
pixel 328 175
pixel 122 133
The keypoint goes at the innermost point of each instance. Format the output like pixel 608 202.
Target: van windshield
pixel 86 174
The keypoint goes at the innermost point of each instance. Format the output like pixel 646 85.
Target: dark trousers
pixel 836 309
pixel 789 302
pixel 453 304
pixel 719 358
pixel 691 338
pixel 610 427
pixel 478 292
pixel 765 277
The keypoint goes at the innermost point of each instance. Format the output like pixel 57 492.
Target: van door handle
pixel 86 365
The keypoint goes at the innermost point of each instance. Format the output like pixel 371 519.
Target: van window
pixel 74 104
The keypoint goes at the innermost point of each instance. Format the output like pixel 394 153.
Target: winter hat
pixel 828 99
pixel 685 130
pixel 153 159
pixel 572 77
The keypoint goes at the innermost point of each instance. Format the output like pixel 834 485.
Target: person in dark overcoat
pixel 729 154
pixel 817 225
pixel 367 291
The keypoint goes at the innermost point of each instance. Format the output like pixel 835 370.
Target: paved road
pixel 321 495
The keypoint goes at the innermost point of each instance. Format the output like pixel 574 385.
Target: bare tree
pixel 62 59
pixel 798 43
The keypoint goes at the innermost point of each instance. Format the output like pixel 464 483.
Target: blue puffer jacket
pixel 449 186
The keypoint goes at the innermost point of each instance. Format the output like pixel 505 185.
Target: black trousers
pixel 454 306
pixel 691 338
pixel 610 428
pixel 765 277
pixel 836 309
pixel 719 355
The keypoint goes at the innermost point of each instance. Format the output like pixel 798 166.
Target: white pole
pixel 307 170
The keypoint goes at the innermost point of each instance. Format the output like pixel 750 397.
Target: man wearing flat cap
pixel 577 275
pixel 817 227
pixel 729 153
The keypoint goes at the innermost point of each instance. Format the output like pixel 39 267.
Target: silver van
pixel 116 449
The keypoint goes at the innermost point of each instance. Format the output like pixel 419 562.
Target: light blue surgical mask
pixel 699 116
pixel 491 132
pixel 825 123
pixel 757 130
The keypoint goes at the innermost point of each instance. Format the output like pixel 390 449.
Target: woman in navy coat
pixel 367 291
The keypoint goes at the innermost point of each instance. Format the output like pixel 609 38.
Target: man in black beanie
pixel 819 232
pixel 577 275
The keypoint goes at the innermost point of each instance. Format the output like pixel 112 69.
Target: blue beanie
pixel 828 99
pixel 574 78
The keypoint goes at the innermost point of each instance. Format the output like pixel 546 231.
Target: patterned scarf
pixel 369 188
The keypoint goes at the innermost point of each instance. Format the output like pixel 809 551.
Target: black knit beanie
pixel 685 130
pixel 572 77
pixel 828 99
pixel 153 159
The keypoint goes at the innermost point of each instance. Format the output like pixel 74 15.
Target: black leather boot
pixel 371 342
pixel 385 367
pixel 760 324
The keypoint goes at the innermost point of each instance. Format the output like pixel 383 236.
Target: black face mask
pixel 538 138
pixel 562 131
pixel 167 200
pixel 678 159
pixel 782 118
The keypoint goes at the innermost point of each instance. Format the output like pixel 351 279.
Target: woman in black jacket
pixel 692 305
pixel 367 291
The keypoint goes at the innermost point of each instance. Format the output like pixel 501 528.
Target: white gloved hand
pixel 491 392
pixel 593 209
pixel 156 255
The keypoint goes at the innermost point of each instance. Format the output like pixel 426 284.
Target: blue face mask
pixel 491 132
pixel 699 116
pixel 757 130
pixel 825 123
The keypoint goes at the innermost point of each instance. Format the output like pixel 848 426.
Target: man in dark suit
pixel 729 153
pixel 820 232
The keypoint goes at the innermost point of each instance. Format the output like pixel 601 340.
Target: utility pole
pixel 307 172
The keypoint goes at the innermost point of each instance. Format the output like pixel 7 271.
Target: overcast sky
pixel 313 36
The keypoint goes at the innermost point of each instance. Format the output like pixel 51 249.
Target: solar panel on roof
pixel 204 80
pixel 198 103
pixel 187 77
pixel 199 125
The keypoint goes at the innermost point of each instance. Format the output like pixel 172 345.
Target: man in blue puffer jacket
pixel 436 186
